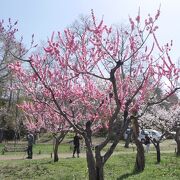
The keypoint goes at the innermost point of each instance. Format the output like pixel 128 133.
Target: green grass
pixel 43 169
pixel 169 168
pixel 118 167
pixel 48 148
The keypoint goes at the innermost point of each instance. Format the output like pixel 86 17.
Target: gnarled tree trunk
pixel 140 158
pixel 96 164
pixel 99 165
pixel 90 161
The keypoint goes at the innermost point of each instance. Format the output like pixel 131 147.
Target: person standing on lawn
pixel 30 139
pixel 147 143
pixel 76 142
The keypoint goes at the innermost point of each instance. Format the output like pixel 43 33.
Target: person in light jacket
pixel 147 143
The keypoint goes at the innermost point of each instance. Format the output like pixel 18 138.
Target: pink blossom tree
pixel 40 116
pixel 97 75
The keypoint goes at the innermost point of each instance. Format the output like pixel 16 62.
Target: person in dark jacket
pixel 76 142
pixel 30 139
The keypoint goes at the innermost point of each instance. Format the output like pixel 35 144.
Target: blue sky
pixel 42 17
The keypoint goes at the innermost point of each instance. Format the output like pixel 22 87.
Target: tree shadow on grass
pixel 124 176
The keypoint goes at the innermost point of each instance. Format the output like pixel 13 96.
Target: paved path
pixel 36 156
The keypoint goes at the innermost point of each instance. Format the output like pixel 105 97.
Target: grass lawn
pixel 119 166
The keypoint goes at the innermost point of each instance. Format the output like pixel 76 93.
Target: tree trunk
pixel 178 148
pixel 57 141
pixel 96 164
pixel 56 145
pixel 1 135
pixel 140 158
pixel 95 168
pixel 99 171
pixel 158 154
pixel 177 139
pixel 90 161
pixel 99 165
